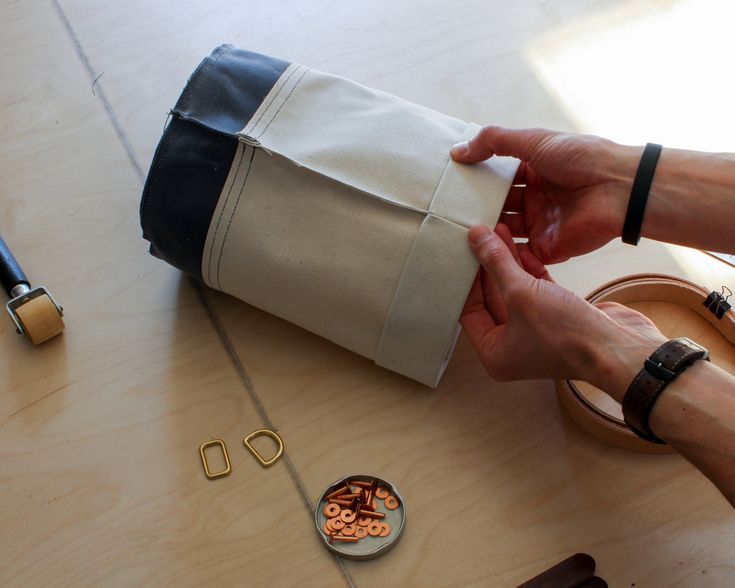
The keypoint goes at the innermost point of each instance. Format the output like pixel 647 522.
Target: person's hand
pixel 576 187
pixel 524 326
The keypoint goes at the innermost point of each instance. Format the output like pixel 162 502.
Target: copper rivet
pixel 340 502
pixel 337 492
pixel 361 484
pixel 361 532
pixel 382 493
pixel 372 515
pixel 375 529
pixel 348 516
pixel 350 496
pixel 349 530
pixel 386 530
pixel 391 503
pixel 331 510
pixel 345 538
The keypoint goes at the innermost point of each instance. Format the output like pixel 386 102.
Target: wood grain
pixel 100 427
pixel 98 447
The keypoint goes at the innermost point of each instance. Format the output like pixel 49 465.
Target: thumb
pixel 496 258
pixel 519 143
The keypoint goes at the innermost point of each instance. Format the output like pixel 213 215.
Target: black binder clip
pixel 717 302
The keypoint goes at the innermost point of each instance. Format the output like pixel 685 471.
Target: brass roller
pixel 34 311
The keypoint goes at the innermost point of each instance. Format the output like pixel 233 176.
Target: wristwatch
pixel 663 366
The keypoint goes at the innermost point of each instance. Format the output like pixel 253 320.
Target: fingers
pixel 519 143
pixel 516 222
pixel 475 303
pixel 477 322
pixel 493 297
pixel 533 264
pixel 496 258
pixel 504 232
pixel 514 201
pixel 475 319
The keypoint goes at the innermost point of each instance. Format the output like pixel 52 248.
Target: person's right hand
pixel 525 326
pixel 576 187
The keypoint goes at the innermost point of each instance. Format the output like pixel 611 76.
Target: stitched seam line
pixel 649 405
pixel 663 349
pixel 688 356
pixel 192 87
pixel 195 78
pixel 232 215
pixel 283 104
pixel 637 379
pixel 219 220
pixel 273 98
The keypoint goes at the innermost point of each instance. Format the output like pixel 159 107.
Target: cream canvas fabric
pixel 343 213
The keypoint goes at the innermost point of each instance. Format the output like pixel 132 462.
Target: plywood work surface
pixel 100 427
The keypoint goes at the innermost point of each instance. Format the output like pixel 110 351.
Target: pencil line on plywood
pixel 247 383
pixel 99 92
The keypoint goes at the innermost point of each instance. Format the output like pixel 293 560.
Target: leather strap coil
pixel 663 366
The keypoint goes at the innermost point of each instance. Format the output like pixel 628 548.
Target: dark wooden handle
pixel 11 274
pixel 573 572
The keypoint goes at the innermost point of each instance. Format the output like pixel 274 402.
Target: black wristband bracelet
pixel 639 194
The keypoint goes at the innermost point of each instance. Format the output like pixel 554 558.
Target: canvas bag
pixel 326 203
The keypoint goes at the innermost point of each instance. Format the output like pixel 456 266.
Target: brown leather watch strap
pixel 664 364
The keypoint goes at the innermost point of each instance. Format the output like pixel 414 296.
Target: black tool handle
pixel 11 274
pixel 573 572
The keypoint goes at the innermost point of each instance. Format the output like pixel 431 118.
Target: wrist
pixel 677 405
pixel 617 354
pixel 676 210
pixel 620 174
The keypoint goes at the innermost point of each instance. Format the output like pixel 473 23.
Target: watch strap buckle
pixel 657 370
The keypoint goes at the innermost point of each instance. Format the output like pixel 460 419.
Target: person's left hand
pixel 525 326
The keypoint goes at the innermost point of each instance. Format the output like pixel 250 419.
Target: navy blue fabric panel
pixel 228 87
pixel 189 169
pixel 194 156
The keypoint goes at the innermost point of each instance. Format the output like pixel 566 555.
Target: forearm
pixel 692 199
pixel 696 415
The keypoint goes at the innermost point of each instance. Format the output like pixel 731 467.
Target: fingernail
pixel 459 149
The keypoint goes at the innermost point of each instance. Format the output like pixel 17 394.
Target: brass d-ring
pixel 267 433
pixel 207 473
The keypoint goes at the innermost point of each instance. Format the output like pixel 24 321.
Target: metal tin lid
pixel 368 546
